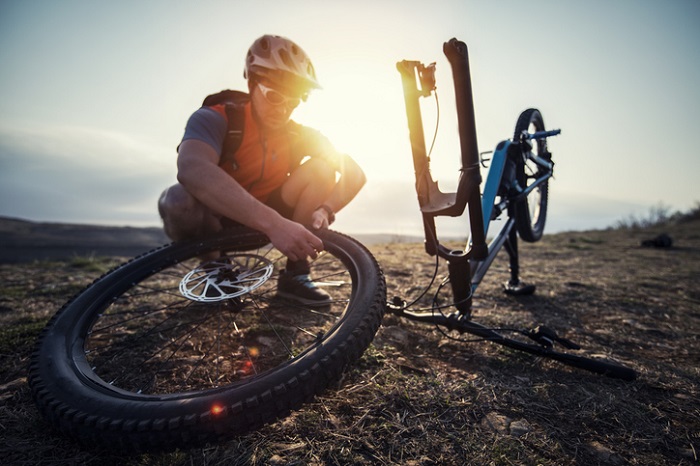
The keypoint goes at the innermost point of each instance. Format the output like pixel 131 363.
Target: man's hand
pixel 295 241
pixel 320 220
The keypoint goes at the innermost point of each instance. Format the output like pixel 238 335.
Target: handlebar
pixel 540 134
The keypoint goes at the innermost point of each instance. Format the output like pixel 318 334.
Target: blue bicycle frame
pixel 492 210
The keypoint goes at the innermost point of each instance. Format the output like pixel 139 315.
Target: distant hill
pixel 25 241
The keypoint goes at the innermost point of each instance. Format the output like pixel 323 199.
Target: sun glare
pixel 362 115
pixel 362 112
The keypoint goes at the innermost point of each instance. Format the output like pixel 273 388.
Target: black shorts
pixel 275 201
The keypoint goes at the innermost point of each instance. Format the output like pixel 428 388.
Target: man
pixel 286 179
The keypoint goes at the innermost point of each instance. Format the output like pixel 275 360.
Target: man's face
pixel 273 107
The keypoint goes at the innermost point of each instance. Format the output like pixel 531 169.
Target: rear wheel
pixel 531 210
pixel 169 350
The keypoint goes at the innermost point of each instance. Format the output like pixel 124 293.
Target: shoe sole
pixel 307 302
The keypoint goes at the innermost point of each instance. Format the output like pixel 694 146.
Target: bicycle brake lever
pixel 546 337
pixel 426 75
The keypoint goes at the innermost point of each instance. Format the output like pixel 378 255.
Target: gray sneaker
pixel 302 289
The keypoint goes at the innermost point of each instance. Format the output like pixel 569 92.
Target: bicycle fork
pixel 419 81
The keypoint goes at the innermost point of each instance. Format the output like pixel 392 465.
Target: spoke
pixel 184 338
pixel 135 338
pixel 143 315
pixel 216 342
pixel 169 291
pixel 146 345
pixel 247 350
pixel 135 370
pixel 303 330
pixel 274 329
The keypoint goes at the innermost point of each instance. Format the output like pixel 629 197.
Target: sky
pixel 94 96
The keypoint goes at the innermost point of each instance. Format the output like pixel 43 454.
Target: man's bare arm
pixel 351 180
pixel 201 176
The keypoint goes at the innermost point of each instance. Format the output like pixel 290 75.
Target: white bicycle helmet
pixel 281 61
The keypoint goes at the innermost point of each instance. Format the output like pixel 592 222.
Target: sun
pixel 362 113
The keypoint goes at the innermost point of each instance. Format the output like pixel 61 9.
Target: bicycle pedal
pixel 518 289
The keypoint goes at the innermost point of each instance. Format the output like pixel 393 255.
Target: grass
pixel 419 398
pixel 659 215
pixel 20 335
pixel 90 263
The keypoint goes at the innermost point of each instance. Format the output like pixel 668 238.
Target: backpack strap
pixel 235 113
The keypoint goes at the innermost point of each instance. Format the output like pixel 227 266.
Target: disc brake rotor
pixel 226 278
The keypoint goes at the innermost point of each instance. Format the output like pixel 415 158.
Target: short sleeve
pixel 208 126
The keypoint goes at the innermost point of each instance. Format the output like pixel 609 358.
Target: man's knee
pixel 315 178
pixel 183 215
pixel 320 171
pixel 175 199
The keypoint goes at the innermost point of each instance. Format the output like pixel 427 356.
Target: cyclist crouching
pixel 284 179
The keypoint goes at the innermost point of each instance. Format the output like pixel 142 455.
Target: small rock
pixel 604 454
pixel 395 334
pixel 519 428
pixel 495 422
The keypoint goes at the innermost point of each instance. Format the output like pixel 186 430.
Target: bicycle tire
pixel 231 365
pixel 531 211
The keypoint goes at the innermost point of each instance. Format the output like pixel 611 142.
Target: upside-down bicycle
pixel 168 351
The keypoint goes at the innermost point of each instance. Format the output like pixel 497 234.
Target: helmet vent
pixel 286 59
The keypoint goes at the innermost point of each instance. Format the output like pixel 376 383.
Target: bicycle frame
pixel 506 236
pixel 467 267
pixel 419 81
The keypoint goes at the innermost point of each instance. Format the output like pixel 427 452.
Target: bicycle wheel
pixel 169 351
pixel 531 211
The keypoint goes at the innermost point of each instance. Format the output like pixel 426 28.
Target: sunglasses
pixel 276 98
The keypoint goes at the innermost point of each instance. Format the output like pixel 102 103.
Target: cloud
pixel 81 174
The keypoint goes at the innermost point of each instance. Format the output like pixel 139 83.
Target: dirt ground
pixel 419 396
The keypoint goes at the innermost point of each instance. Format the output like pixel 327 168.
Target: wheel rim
pixel 532 174
pixel 535 196
pixel 194 327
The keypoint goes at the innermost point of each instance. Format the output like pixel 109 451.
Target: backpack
pixel 234 103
